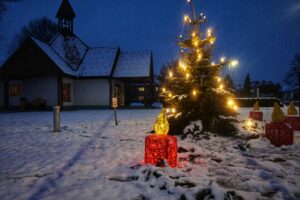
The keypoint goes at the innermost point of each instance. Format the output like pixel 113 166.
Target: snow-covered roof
pixel 70 48
pixel 79 60
pixel 54 57
pixel 98 61
pixel 135 64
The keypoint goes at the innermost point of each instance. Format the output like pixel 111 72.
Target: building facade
pixel 69 73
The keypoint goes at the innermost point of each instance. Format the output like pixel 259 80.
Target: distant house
pixel 69 73
pixel 290 95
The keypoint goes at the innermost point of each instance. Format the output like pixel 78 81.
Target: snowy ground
pixel 94 159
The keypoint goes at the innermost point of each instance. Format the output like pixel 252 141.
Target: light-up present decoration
pixel 160 146
pixel 255 114
pixel 292 118
pixel 278 131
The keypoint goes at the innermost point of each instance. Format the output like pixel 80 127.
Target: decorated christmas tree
pixel 194 89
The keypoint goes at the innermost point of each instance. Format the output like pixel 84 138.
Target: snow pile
pixel 194 127
pixel 252 131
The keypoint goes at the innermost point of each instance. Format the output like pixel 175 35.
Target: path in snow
pixel 75 163
pixel 51 182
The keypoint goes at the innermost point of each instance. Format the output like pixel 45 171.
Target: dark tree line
pixel 292 77
pixel 266 88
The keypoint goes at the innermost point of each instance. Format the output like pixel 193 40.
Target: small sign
pixel 114 102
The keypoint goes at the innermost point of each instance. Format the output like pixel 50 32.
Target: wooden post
pixel 116 120
pixel 115 105
pixel 56 118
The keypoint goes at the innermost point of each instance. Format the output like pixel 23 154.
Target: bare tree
pixel 41 28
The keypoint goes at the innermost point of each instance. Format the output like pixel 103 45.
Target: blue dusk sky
pixel 264 35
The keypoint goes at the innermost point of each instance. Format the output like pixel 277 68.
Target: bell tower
pixel 65 16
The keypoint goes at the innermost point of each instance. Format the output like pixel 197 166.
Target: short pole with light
pixel 161 147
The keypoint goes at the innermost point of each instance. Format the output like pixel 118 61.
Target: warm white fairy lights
pixel 193 51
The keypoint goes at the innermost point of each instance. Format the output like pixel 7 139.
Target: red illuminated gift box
pixel 159 148
pixel 256 115
pixel 279 133
pixel 294 121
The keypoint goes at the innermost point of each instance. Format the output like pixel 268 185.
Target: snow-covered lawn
pixel 94 159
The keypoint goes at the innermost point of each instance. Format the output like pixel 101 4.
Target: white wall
pixel 67 80
pixel 91 92
pixel 42 87
pixel 1 93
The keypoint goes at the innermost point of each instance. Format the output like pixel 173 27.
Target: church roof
pixel 99 61
pixel 65 10
pixel 54 57
pixel 95 61
pixel 133 64
pixel 66 46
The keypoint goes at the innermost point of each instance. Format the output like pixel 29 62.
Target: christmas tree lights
pixel 195 86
